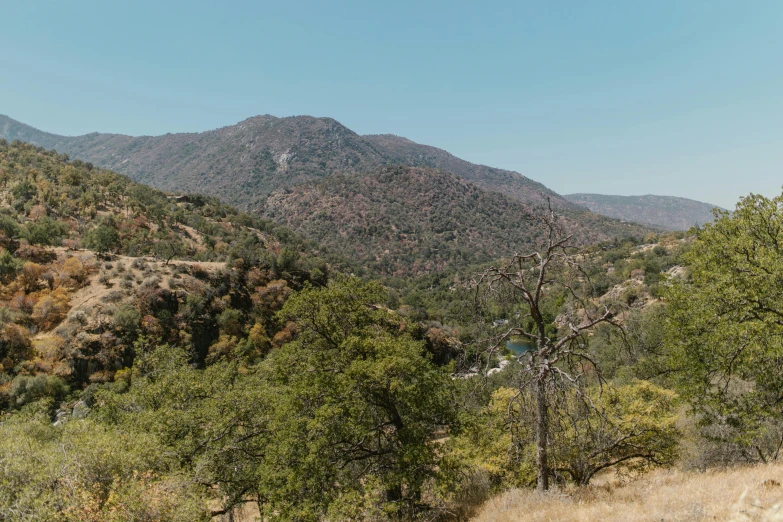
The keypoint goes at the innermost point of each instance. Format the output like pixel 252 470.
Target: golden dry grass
pixel 735 495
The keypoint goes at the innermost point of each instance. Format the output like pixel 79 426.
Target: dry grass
pixel 741 494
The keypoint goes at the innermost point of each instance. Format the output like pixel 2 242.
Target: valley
pixel 384 315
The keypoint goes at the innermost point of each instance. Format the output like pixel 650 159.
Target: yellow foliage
pixel 50 308
pixel 30 275
pixel 49 347
pixel 74 269
pixel 258 338
pixel 223 347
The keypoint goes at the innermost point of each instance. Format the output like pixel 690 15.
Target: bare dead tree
pixel 556 361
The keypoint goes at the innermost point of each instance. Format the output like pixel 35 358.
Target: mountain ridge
pixel 245 162
pixel 670 212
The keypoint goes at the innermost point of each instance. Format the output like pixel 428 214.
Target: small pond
pixel 520 346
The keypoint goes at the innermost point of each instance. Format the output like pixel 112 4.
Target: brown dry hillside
pixel 90 261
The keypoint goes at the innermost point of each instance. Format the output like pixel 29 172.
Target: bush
pixel 45 231
pixel 26 389
pixel 105 279
pixel 83 470
pixel 230 322
pixel 114 296
pixel 126 321
pixel 75 269
pixel 15 345
pixel 9 265
pixel 50 309
pixel 103 238
pixel 8 226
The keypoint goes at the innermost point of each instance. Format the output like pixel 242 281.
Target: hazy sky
pixel 627 97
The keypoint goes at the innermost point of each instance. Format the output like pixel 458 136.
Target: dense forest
pixel 170 358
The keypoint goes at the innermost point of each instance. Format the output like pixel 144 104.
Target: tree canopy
pixel 725 328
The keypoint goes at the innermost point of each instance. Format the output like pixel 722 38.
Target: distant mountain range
pixel 395 205
pixel 244 163
pixel 668 212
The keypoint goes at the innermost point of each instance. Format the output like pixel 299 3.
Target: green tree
pixel 104 237
pixel 8 226
pixel 725 328
pixel 213 422
pixel 24 190
pixel 169 247
pixel 359 402
pixel 9 265
pixel 83 471
pixel 45 231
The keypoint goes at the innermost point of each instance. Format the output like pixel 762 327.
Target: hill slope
pixel 408 220
pixel 663 211
pixel 243 163
pixel 90 260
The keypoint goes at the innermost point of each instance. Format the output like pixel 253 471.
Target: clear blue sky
pixel 626 97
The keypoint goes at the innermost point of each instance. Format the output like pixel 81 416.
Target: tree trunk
pixel 542 429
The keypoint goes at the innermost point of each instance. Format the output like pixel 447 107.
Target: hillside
pixel 90 261
pixel 243 163
pixel 409 220
pixel 668 212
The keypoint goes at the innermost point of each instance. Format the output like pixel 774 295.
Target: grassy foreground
pixel 740 494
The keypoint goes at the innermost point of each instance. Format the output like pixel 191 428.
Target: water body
pixel 520 346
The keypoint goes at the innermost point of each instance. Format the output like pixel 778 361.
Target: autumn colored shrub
pixel 74 269
pixel 15 345
pixel 30 276
pixel 50 309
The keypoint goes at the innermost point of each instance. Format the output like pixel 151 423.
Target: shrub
pixel 103 238
pixel 26 389
pixel 30 276
pixel 50 309
pixel 126 321
pixel 105 279
pixel 9 265
pixel 45 231
pixel 230 322
pixel 15 345
pixel 75 269
pixel 114 296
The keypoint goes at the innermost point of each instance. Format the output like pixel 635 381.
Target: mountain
pixel 243 163
pixel 668 212
pixel 411 220
pixel 397 206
